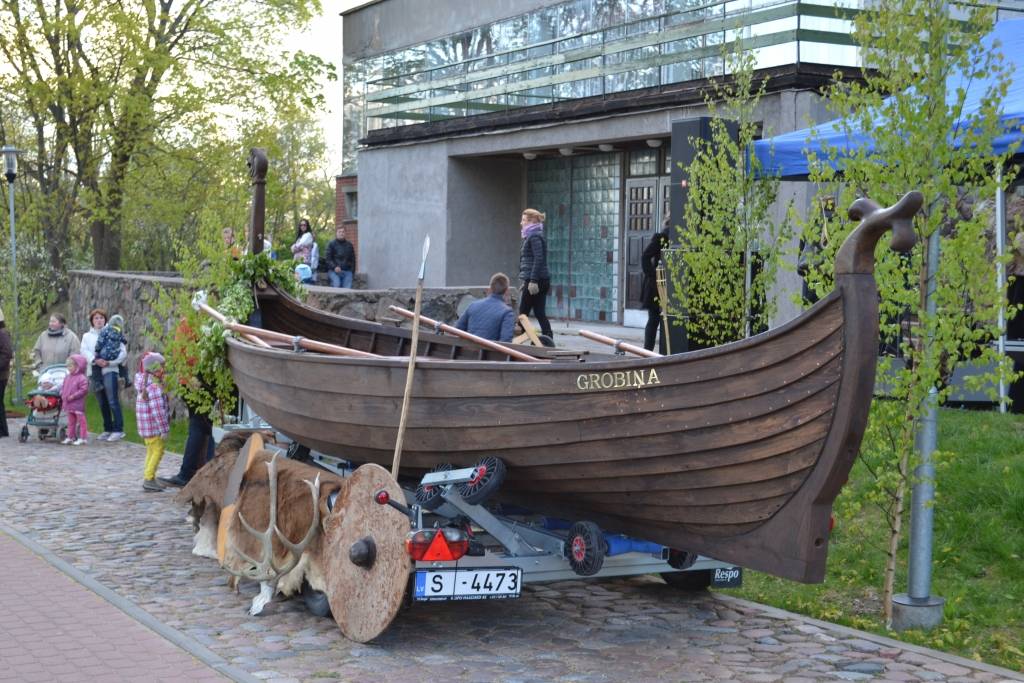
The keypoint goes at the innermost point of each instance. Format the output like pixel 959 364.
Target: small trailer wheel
pixel 429 497
pixel 316 601
pixel 488 478
pixel 585 547
pixel 23 436
pixel 296 451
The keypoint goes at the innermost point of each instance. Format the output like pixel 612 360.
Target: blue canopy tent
pixel 789 155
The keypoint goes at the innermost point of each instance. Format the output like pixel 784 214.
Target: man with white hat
pixel 6 354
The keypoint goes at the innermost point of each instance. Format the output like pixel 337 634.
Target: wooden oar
pixel 456 332
pixel 619 345
pixel 412 361
pixel 199 302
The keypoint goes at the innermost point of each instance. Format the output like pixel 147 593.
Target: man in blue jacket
pixel 490 318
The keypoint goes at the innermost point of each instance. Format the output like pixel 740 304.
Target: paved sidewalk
pixel 85 511
pixel 54 629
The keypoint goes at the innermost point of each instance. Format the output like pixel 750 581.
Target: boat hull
pixel 736 451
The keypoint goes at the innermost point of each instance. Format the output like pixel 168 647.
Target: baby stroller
pixel 45 409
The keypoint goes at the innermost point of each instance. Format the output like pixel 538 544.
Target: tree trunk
pixel 895 535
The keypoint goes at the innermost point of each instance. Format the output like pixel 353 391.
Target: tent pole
pixel 1001 280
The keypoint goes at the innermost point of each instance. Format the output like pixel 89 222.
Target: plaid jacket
pixel 151 407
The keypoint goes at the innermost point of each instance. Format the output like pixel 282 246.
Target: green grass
pixel 978 546
pixel 175 440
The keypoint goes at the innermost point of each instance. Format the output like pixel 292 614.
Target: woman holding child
pixel 104 369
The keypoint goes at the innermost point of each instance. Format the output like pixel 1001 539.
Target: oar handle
pixel 456 332
pixel 257 335
pixel 619 345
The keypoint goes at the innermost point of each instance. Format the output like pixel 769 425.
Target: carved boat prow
pixel 735 452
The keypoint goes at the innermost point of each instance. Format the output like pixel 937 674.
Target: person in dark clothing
pixel 341 260
pixel 490 318
pixel 6 354
pixel 199 444
pixel 533 268
pixel 649 286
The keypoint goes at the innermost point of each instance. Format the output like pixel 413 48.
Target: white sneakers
pixel 67 442
pixel 74 442
pixel 80 442
pixel 116 436
pixel 103 437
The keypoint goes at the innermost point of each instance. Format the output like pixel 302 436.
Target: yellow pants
pixel 154 453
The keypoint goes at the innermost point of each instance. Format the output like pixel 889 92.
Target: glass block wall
pixel 581 197
pixel 547 190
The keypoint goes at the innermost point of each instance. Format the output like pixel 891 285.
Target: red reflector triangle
pixel 438 549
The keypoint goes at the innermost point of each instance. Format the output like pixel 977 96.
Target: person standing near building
pixel 6 354
pixel 55 343
pixel 649 285
pixel 302 248
pixel 533 268
pixel 490 318
pixel 341 260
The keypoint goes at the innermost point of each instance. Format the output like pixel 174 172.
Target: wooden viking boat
pixel 736 452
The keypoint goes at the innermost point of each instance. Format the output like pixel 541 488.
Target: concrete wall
pixel 403 197
pixel 485 199
pixel 392 24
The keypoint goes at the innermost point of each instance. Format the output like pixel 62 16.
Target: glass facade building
pixel 603 181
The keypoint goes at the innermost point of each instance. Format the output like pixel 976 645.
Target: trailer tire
pixel 697 580
pixel 296 451
pixel 23 436
pixel 490 476
pixel 585 548
pixel 316 601
pixel 429 497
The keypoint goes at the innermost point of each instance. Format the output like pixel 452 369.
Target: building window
pixel 643 162
pixel 351 203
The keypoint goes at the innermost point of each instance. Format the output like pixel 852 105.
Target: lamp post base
pixel 916 613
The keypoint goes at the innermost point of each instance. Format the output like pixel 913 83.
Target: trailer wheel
pixel 489 475
pixel 62 433
pixel 23 436
pixel 296 451
pixel 429 497
pixel 698 580
pixel 316 601
pixel 585 547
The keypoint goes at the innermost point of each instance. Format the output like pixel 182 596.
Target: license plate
pixel 467 584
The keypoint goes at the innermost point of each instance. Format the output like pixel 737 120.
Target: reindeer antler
pixel 264 570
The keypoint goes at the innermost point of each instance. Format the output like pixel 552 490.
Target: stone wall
pixel 132 295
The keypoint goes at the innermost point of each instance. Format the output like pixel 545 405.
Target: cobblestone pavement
pixel 86 505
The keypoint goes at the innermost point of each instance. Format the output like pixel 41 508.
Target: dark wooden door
pixel 641 221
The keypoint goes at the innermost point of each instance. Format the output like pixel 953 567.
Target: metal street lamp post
pixel 11 171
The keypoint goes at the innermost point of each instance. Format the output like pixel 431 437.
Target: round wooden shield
pixel 365 561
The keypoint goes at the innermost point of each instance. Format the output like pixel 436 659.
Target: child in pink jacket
pixel 72 396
